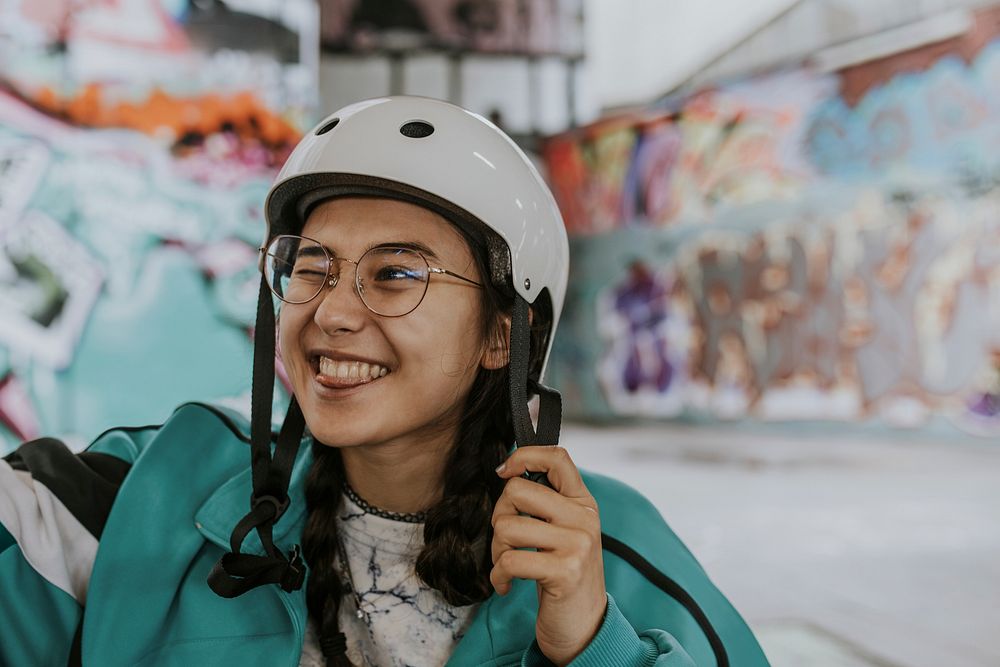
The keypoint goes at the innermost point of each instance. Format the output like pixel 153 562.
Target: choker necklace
pixel 412 517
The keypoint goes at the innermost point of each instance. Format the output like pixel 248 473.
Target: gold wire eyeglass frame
pixel 333 279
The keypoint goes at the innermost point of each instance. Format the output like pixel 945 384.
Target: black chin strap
pixel 550 402
pixel 236 573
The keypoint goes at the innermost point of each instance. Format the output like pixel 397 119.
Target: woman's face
pixel 406 377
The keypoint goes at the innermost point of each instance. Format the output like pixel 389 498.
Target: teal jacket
pixel 184 485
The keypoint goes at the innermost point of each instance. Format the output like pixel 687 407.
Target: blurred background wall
pixel 785 268
pixel 818 242
pixel 778 210
pixel 137 142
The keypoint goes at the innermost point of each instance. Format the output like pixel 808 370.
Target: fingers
pixel 558 567
pixel 553 461
pixel 564 504
pixel 562 524
pixel 522 565
pixel 515 532
pixel 522 496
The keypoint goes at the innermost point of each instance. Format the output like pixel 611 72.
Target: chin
pixel 339 431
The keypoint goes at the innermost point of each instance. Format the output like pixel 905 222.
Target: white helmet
pixel 457 164
pixel 440 156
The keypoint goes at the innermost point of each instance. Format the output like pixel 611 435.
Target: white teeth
pixel 351 369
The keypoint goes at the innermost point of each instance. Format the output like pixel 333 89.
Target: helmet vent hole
pixel 417 129
pixel 329 126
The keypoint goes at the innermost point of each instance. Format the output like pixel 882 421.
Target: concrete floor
pixel 844 551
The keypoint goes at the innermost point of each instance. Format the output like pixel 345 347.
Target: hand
pixel 564 526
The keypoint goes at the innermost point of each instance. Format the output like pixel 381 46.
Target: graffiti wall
pixel 137 142
pixel 777 249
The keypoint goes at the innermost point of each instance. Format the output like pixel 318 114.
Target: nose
pixel 340 307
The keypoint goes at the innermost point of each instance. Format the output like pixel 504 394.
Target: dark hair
pixel 456 558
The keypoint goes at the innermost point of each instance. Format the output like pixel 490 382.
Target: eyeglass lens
pixel 391 281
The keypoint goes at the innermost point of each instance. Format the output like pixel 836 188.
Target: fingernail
pixel 501 468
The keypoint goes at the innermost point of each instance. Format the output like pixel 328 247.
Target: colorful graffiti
pixel 882 310
pixel 938 121
pixel 772 252
pixel 135 155
pixel 181 120
pixel 774 139
pixel 721 148
pixel 883 306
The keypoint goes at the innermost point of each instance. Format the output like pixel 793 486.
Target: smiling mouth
pixel 337 374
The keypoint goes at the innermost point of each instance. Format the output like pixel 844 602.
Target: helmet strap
pixel 236 573
pixel 550 402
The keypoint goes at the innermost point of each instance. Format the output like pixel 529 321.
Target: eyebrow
pixel 410 245
pixel 308 251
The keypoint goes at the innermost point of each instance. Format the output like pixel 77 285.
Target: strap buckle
pixel 279 505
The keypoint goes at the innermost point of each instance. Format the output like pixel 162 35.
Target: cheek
pixel 288 324
pixel 458 361
pixel 444 339
pixel 458 353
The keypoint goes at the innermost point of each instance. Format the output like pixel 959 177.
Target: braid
pixel 456 559
pixel 319 546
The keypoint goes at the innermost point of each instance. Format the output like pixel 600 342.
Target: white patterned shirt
pixel 404 623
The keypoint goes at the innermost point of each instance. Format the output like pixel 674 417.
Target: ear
pixel 496 350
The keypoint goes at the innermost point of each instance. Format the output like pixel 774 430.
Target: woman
pixel 419 266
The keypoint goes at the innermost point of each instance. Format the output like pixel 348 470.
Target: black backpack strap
pixel 85 483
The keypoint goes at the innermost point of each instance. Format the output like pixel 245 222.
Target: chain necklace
pixel 411 517
pixel 346 564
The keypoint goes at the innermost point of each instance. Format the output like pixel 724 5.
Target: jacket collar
pixel 220 513
pixel 502 627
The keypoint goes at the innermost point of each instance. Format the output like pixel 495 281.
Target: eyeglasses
pixel 390 280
